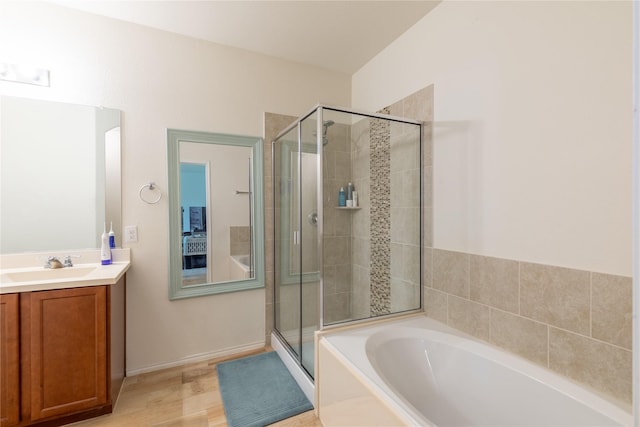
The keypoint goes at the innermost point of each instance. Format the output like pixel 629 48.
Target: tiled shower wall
pixel 386 240
pixel 337 225
pixel 361 221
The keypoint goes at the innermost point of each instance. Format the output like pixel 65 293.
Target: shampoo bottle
pixel 350 195
pixel 342 198
pixel 105 250
pixel 112 237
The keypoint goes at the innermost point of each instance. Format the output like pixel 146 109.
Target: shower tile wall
pixel 361 220
pixel 380 212
pixel 337 225
pixel 385 251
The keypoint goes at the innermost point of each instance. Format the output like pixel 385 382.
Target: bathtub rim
pixel 366 372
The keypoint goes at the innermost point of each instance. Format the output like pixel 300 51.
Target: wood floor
pixel 183 396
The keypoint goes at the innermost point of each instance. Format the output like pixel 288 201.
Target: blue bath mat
pixel 259 390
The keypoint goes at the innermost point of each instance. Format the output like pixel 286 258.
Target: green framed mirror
pixel 216 221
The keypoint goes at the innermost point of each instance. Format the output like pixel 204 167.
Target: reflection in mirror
pixel 216 222
pixel 60 175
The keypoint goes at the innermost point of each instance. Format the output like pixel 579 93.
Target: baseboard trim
pixel 197 358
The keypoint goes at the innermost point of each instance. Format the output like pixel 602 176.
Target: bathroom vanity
pixel 62 342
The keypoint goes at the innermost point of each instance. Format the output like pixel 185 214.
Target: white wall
pixel 161 80
pixel 532 126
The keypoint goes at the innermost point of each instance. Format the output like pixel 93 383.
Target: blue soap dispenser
pixel 342 198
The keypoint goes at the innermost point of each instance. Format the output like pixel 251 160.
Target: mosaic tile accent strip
pixel 380 211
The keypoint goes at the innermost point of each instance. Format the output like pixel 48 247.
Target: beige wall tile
pixel 427 226
pixel 600 365
pixel 427 143
pixel 343 278
pixel 427 186
pixel 520 335
pixel 337 307
pixel 361 302
pixel 555 295
pixel 469 317
pixel 336 250
pixel 419 105
pixel 611 309
pixel 494 281
pixel 405 223
pixel 435 304
pixel 361 254
pixel 451 272
pixel 427 267
pixel 410 264
pixel 404 296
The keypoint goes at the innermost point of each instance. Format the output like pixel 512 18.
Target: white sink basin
pixel 46 274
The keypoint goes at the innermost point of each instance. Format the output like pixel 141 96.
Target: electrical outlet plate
pixel 131 233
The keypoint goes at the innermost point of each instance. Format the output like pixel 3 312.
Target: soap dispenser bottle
pixel 105 250
pixel 112 237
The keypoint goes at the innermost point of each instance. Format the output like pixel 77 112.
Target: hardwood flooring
pixel 182 396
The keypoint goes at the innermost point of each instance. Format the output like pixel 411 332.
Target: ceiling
pixel 337 35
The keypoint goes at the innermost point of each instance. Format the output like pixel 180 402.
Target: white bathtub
pixel 240 267
pixel 421 372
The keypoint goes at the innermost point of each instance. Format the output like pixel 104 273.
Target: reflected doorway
pixel 193 202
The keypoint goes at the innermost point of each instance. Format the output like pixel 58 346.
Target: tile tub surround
pixel 575 322
pixel 239 240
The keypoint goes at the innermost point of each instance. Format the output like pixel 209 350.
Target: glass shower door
pixel 297 272
pixel 309 250
pixel 287 305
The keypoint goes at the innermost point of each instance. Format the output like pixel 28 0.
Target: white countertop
pixel 26 273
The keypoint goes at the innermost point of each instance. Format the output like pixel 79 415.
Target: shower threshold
pixel 303 380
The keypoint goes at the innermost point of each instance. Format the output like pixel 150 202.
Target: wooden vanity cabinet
pixel 64 342
pixel 9 360
pixel 65 355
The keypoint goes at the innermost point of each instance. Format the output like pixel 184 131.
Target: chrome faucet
pixel 53 262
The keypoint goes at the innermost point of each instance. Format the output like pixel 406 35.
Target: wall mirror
pixel 216 222
pixel 59 175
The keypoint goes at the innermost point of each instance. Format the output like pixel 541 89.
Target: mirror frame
pixel 176 289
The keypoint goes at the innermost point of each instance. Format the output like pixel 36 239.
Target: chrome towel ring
pixel 151 189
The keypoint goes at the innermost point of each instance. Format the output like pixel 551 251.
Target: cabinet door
pixel 9 361
pixel 67 360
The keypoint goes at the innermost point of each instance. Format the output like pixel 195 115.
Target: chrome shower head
pixel 325 126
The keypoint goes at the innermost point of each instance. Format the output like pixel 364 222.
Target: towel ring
pixel 152 187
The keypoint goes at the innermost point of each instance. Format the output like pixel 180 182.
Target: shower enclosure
pixel 333 263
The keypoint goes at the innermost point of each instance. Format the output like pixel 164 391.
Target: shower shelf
pixel 345 208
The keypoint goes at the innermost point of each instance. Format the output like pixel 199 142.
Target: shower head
pixel 325 126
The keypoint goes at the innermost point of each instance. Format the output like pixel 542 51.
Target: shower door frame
pixel 319 109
